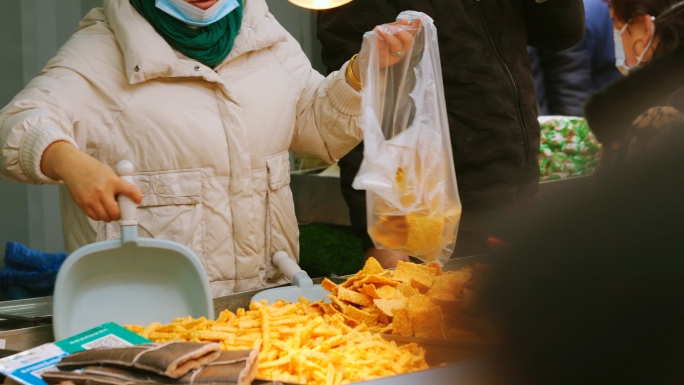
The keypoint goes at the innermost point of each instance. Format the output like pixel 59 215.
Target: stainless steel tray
pixel 35 309
pixel 24 338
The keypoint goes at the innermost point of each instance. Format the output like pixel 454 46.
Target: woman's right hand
pixel 91 183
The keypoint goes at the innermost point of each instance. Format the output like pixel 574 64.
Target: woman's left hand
pixel 392 48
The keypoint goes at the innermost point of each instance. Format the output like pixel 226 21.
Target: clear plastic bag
pixel 408 167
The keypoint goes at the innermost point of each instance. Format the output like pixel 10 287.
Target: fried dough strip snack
pixel 308 343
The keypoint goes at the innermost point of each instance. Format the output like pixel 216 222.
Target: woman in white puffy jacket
pixel 206 98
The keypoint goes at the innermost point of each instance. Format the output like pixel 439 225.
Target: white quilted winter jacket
pixel 210 146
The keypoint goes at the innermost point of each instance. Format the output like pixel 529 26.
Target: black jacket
pixel 488 87
pixel 562 80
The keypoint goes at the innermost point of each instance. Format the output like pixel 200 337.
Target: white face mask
pixel 620 58
pixel 192 15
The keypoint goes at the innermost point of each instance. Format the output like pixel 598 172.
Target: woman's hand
pixel 397 39
pixel 91 183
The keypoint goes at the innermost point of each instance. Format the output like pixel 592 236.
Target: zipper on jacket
pixel 516 88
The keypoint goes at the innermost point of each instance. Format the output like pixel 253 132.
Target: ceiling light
pixel 319 4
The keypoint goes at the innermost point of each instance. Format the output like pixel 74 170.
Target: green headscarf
pixel 208 45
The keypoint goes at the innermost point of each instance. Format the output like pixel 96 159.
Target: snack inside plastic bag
pixel 408 168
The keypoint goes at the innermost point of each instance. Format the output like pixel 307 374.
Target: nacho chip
pixel 371 291
pixel 329 309
pixel 451 281
pixel 361 316
pixel 372 266
pixel 406 290
pixel 451 307
pixel 376 280
pixel 424 233
pixel 337 303
pixel 390 231
pixel 373 310
pixel 419 302
pixel 428 323
pixel 329 286
pixel 352 323
pixel 351 280
pixel 419 276
pixel 354 297
pixel 387 305
pixel 420 285
pixel 437 266
pixel 387 292
pixel 446 292
pixel 316 308
pixel 401 323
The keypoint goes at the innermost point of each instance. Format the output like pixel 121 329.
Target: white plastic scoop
pixel 302 285
pixel 129 280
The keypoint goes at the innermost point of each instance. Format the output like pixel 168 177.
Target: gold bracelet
pixel 350 72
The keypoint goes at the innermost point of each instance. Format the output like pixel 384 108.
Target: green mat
pixel 327 250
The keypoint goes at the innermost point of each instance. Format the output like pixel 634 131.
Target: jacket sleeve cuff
pixel 342 96
pixel 37 139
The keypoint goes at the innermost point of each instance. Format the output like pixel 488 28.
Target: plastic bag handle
pixel 127 206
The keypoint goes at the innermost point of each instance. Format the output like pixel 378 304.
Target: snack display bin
pixel 448 361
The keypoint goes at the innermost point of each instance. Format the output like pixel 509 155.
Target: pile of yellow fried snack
pixel 413 300
pixel 339 342
pixel 298 343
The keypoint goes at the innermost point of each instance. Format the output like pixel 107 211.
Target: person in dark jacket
pixel 489 93
pixel 637 113
pixel 562 79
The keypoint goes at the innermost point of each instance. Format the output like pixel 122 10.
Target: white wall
pixel 31 31
pixel 301 23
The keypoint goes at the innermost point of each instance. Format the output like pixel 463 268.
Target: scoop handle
pixel 127 206
pixel 286 265
pixel 293 272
